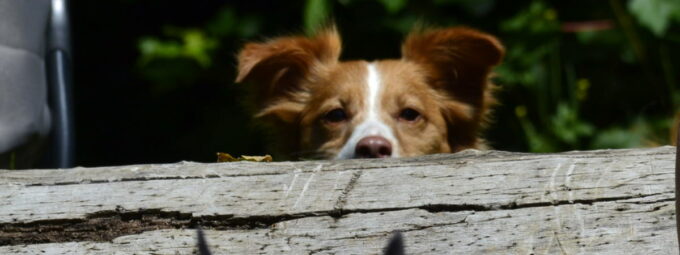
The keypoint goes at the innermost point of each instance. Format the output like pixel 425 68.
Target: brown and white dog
pixel 433 100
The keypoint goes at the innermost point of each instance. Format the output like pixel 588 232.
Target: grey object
pixel 203 248
pixel 59 79
pixel 34 82
pixel 394 247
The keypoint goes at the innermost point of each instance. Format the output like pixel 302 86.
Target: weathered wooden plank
pixel 635 228
pixel 608 202
pixel 516 181
pixel 239 196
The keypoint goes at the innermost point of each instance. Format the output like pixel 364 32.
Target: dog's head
pixel 432 100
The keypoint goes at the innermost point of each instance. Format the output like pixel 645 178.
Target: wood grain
pixel 473 202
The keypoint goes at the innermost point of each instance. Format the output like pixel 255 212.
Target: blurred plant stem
pixel 626 22
pixel 668 72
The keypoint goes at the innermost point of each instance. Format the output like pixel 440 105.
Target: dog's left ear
pixel 458 61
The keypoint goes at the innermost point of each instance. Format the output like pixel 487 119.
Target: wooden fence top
pixel 472 202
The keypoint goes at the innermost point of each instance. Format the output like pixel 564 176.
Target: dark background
pixel 154 78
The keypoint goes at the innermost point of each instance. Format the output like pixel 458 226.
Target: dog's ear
pixel 457 62
pixel 456 59
pixel 278 68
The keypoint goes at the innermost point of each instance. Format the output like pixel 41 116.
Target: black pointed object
pixel 202 244
pixel 395 246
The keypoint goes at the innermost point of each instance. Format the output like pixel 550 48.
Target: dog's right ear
pixel 458 62
pixel 279 68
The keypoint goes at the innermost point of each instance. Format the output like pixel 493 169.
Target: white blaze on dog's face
pixel 433 100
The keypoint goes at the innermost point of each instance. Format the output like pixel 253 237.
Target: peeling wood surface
pixel 474 202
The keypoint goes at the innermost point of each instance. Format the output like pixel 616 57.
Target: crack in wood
pixel 342 199
pixel 652 201
pixel 104 226
pixel 100 226
pixel 95 181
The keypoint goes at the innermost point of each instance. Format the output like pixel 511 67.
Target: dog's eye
pixel 409 114
pixel 335 115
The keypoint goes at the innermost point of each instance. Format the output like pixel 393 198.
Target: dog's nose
pixel 373 147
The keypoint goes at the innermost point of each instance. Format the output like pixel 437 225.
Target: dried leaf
pixel 265 158
pixel 225 157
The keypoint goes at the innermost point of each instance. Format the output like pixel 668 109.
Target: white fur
pixel 372 125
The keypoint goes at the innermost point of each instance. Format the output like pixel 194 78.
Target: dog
pixel 435 99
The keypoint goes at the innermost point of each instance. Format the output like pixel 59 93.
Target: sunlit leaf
pixel 154 47
pixel 656 15
pixel 198 46
pixel 192 44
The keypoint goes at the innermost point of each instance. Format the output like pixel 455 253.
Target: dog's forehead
pixel 396 73
pixel 350 73
pixel 356 72
pixel 344 80
pixel 352 78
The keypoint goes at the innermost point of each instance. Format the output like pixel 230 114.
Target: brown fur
pixel 443 74
pixel 458 63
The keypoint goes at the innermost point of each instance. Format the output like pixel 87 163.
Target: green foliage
pixel 393 6
pixel 228 23
pixel 536 19
pixel 316 14
pixel 568 127
pixel 560 90
pixel 173 61
pixel 642 132
pixel 192 44
pixel 565 129
pixel 552 90
pixel 656 15
pixel 536 30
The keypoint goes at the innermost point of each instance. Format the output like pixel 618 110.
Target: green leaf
pixel 393 6
pixel 198 46
pixel 656 15
pixel 567 125
pixel 538 18
pixel 152 47
pixel 315 15
pixel 194 45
